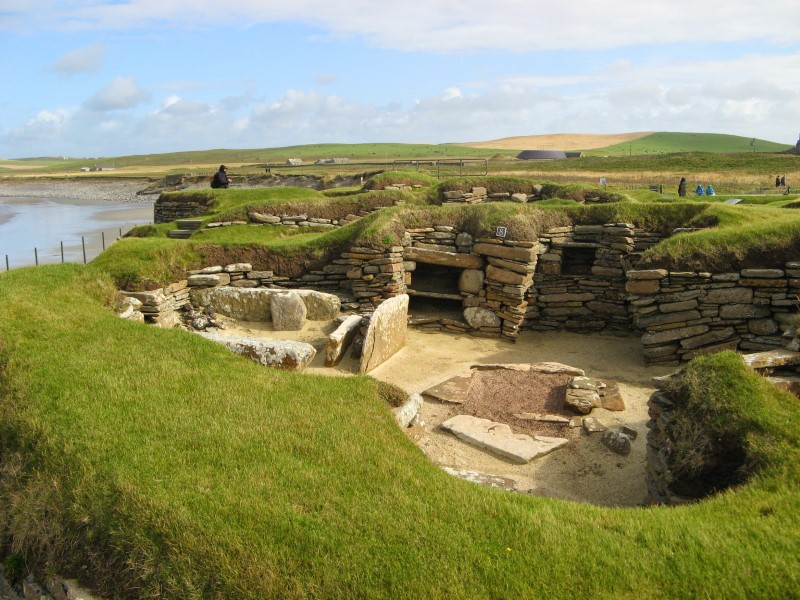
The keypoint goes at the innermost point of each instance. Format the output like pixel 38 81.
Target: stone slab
pixel 454 391
pixel 772 358
pixel 386 333
pixel 283 354
pixel 499 439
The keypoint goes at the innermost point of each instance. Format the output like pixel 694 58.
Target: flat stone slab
pixel 283 354
pixel 503 483
pixel 455 390
pixel 610 397
pixel 542 367
pixel 772 358
pixel 499 439
pixel 542 417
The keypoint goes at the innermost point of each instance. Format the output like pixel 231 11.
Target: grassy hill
pixel 382 154
pixel 671 142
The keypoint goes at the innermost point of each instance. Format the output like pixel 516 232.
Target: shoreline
pixel 84 191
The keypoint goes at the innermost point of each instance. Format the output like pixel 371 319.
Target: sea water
pixel 31 227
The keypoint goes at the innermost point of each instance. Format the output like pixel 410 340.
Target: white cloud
pixel 449 25
pixel 80 60
pixel 326 79
pixel 708 96
pixel 120 94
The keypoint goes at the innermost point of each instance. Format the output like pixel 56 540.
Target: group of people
pixel 709 191
pixel 780 181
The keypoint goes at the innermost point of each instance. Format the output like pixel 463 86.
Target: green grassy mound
pixel 152 463
pixel 671 142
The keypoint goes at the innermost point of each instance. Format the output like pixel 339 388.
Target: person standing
pixel 777 181
pixel 682 187
pixel 220 179
pixel 783 181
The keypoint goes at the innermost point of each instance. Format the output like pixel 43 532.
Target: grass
pixel 673 142
pixel 169 467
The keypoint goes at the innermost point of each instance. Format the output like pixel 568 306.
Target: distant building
pixel 295 162
pixel 97 168
pixel 333 161
pixel 797 145
pixel 542 155
pixel 574 154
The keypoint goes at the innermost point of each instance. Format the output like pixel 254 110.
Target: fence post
pixel 103 237
pixel 36 255
pixel 7 269
pixel 62 252
pixel 83 245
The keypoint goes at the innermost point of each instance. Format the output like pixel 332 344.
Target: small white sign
pixel 501 232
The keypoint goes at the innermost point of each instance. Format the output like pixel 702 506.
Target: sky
pixel 103 78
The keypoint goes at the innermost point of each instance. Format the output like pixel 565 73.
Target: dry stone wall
pixel 686 314
pixel 579 278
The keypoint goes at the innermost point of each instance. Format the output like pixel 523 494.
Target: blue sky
pixel 90 78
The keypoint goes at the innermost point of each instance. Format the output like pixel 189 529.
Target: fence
pixel 89 248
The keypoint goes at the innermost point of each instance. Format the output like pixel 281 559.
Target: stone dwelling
pixel 580 278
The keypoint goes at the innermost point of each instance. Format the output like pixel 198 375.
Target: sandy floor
pixel 584 470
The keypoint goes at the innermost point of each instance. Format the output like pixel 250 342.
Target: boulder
pixel 499 439
pixel 477 317
pixel 470 281
pixel 283 354
pixel 244 304
pixel 288 312
pixel 386 333
pixel 617 442
pixel 405 414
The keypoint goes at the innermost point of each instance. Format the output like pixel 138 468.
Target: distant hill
pixel 670 142
pixel 642 142
pixel 559 141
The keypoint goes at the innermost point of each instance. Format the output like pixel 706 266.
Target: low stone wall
pixel 159 306
pixel 686 314
pixel 658 474
pixel 166 210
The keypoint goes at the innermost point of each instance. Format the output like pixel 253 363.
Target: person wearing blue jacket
pixel 710 191
pixel 699 190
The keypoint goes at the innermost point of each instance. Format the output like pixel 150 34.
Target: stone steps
pixel 186 227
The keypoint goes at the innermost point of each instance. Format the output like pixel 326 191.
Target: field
pixel 152 463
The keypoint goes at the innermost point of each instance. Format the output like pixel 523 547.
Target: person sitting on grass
pixel 710 191
pixel 699 190
pixel 220 179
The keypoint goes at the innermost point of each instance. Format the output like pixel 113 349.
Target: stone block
pixel 288 312
pixel 734 295
pixel 470 281
pixel 386 333
pixel 283 354
pixel 644 287
pixel 499 439
pixel 743 311
pixel 477 317
pixel 500 251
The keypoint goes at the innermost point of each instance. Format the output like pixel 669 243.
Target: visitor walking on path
pixel 682 187
pixel 220 179
pixel 777 181
pixel 783 181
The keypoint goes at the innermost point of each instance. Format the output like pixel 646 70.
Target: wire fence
pixel 89 248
